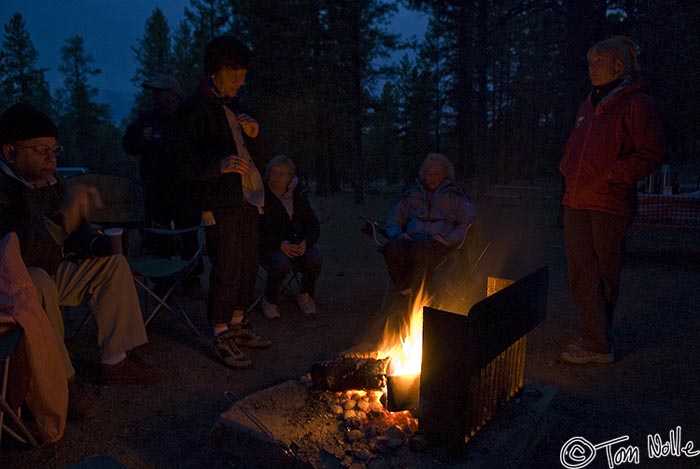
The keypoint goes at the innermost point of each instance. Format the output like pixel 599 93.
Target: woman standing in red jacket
pixel 618 140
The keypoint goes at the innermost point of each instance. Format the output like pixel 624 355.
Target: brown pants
pixel 594 251
pixel 409 262
pixel 232 248
pixel 109 287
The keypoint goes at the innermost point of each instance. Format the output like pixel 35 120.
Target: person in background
pixel 167 196
pixel 219 147
pixel 618 139
pixel 289 230
pixel 67 259
pixel 429 222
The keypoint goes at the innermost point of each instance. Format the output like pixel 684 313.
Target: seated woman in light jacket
pixel 288 231
pixel 429 222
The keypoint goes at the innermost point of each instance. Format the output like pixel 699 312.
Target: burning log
pixel 348 373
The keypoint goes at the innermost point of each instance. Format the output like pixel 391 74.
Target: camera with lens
pixel 86 242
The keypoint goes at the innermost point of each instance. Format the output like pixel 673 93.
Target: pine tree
pixel 415 93
pixel 204 20
pixel 86 129
pixel 152 53
pixel 187 62
pixel 20 79
pixel 382 137
pixel 359 37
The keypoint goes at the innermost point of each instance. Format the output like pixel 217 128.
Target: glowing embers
pixel 367 425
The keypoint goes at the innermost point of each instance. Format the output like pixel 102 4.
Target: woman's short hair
pixel 437 158
pixel 280 160
pixel 225 51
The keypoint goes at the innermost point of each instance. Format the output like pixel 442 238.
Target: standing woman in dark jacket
pixel 618 140
pixel 288 231
pixel 218 146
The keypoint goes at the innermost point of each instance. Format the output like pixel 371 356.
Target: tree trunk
pixel 357 101
pixel 464 94
pixel 481 147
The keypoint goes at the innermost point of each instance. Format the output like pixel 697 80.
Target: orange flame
pixel 403 338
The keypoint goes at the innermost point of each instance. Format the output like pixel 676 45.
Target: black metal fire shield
pixel 456 349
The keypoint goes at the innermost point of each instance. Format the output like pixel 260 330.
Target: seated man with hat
pixel 67 259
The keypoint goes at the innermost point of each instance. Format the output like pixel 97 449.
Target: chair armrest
pixel 373 228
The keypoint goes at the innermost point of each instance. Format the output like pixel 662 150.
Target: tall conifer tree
pixel 20 79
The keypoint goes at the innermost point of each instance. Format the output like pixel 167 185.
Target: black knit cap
pixel 23 121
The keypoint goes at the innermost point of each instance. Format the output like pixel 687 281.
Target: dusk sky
pixel 109 28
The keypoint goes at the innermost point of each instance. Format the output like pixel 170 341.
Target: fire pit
pixel 385 405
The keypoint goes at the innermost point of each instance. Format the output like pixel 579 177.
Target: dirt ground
pixel 651 388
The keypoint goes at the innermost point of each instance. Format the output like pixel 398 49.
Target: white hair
pixel 437 158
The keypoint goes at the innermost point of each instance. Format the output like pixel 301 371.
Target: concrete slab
pixel 288 426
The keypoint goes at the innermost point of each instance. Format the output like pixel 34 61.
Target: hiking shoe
pixel 129 371
pixel 584 357
pixel 270 310
pixel 245 337
pixel 80 405
pixel 306 304
pixel 229 353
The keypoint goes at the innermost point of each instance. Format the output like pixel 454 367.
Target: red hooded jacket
pixel 611 148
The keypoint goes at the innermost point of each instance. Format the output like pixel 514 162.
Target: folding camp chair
pixel 148 268
pixel 9 342
pixel 457 265
pixel 293 279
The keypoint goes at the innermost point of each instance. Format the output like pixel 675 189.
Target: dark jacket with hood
pixel 613 146
pixel 203 139
pixel 276 225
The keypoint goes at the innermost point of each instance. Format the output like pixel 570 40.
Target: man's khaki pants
pixel 109 287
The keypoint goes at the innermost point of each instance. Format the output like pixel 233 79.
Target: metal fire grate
pixel 474 364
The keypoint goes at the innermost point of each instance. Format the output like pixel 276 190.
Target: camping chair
pixel 457 265
pixel 9 342
pixel 148 268
pixel 292 280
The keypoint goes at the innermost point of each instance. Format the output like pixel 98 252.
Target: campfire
pixel 435 379
pixel 452 376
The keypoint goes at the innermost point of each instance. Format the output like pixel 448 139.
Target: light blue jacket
pixel 448 212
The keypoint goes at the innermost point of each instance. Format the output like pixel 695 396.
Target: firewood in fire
pixel 350 373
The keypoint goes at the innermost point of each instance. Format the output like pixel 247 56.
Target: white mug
pixel 115 239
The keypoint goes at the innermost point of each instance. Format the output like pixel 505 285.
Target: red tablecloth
pixel 678 208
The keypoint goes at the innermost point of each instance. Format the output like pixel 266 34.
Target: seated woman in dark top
pixel 288 231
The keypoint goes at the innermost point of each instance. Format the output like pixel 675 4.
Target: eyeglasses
pixel 43 150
